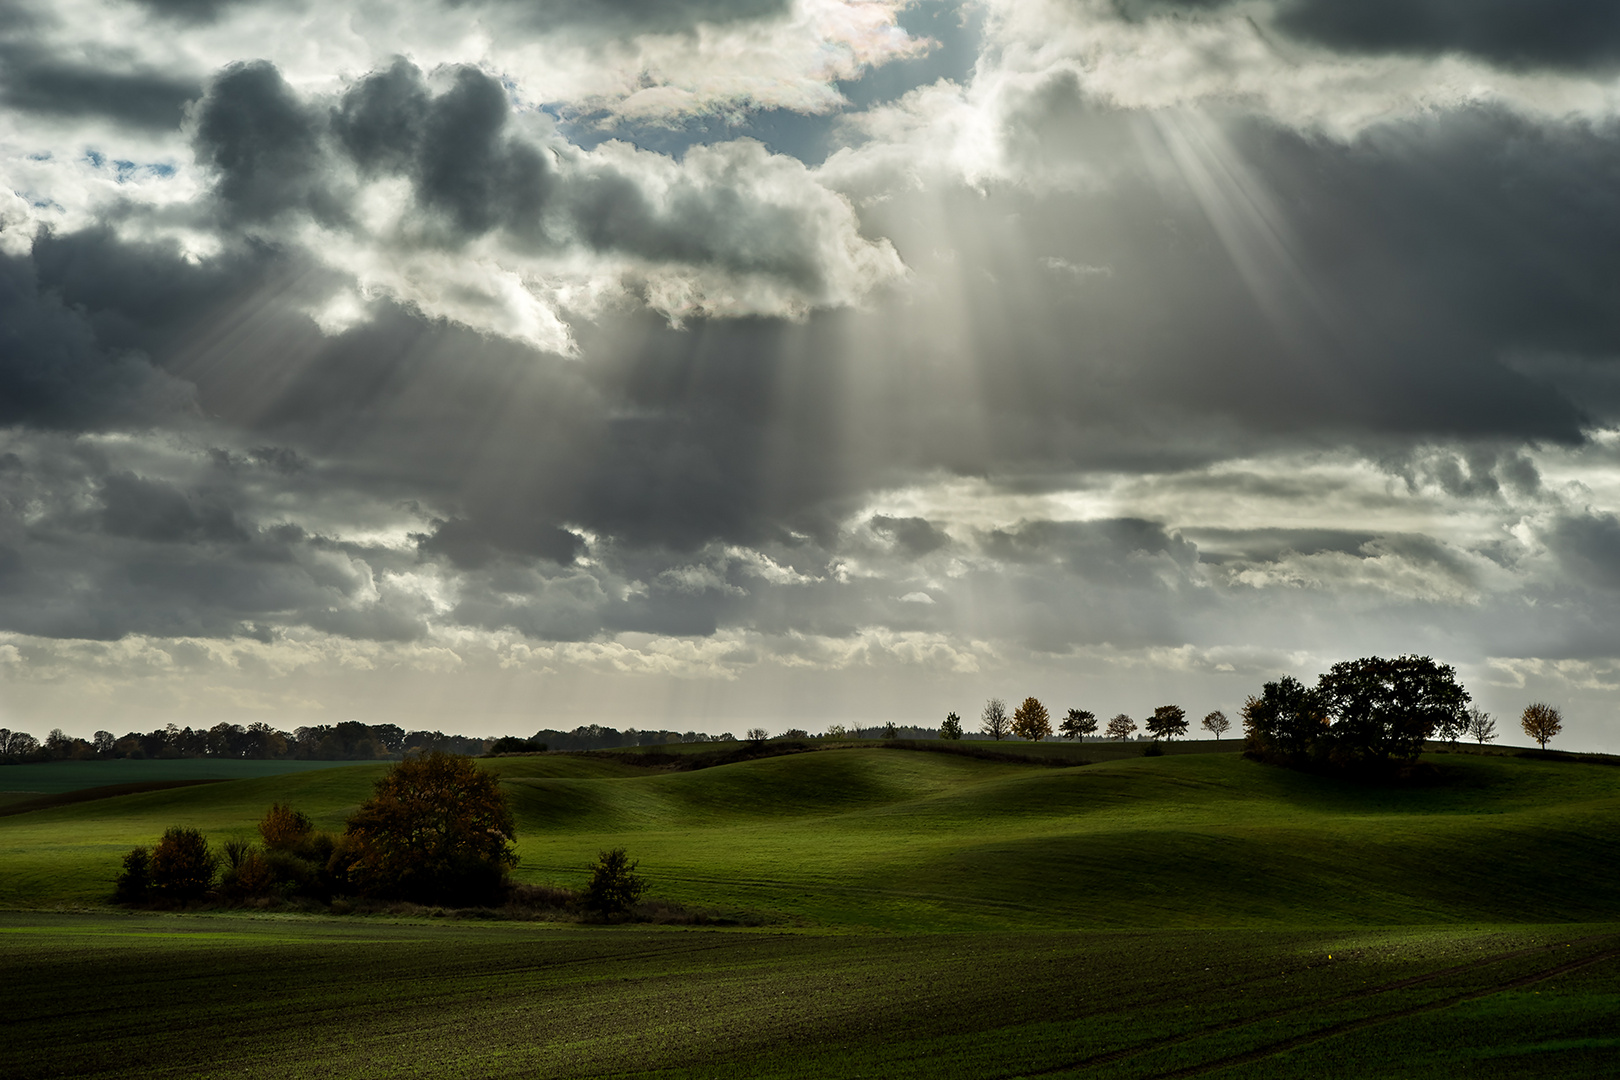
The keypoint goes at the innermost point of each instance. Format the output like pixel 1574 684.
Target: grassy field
pixel 923 915
pixel 135 996
pixel 56 777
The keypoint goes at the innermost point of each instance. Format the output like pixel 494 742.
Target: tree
pixel 1217 723
pixel 1031 721
pixel 1541 722
pixel 1167 722
pixel 951 728
pixel 1078 724
pixel 993 721
pixel 1120 727
pixel 1481 727
pixel 1286 719
pixel 181 865
pixel 614 887
pixel 1387 708
pixel 436 829
pixel 757 734
pixel 135 883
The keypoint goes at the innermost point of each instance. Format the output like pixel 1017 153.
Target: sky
pixel 703 364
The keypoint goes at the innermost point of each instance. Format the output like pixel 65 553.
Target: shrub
pixel 284 828
pixel 614 887
pixel 182 867
pixel 135 883
pixel 252 876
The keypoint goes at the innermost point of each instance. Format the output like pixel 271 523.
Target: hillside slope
pixel 907 840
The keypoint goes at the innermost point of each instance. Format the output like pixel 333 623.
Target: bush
pixel 182 867
pixel 284 828
pixel 614 887
pixel 135 883
pixel 252 876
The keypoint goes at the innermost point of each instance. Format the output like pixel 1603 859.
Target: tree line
pixel 350 740
pixel 1031 720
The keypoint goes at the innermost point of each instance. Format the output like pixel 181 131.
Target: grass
pixel 130 996
pixel 931 915
pixel 56 777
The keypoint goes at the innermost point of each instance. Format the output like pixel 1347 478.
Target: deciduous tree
pixel 1541 722
pixel 1286 719
pixel 1078 724
pixel 436 829
pixel 1167 722
pixel 1386 708
pixel 182 867
pixel 1031 721
pixel 614 887
pixel 993 721
pixel 1216 723
pixel 1481 727
pixel 1120 727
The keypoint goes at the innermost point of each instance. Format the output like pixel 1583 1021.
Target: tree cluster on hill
pixel 1370 711
pixel 350 740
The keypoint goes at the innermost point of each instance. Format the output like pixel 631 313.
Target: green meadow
pixel 907 914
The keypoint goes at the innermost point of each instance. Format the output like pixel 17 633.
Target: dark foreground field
pixel 99 996
pixel 917 915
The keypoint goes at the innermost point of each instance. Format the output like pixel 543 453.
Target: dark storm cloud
pixel 455 147
pixel 163 513
pixel 1588 546
pixel 92 550
pixel 264 143
pixel 1569 34
pixel 147 295
pixel 55 87
pixel 54 373
pixel 472 544
pixel 913 535
pixel 192 11
pixel 474 171
pixel 1381 288
pixel 642 16
pixel 1113 551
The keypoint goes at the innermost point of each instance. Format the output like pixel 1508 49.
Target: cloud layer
pixel 775 359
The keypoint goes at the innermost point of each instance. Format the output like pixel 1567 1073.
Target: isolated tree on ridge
pixel 1031 721
pixel 1078 724
pixel 1167 722
pixel 1218 723
pixel 1120 727
pixel 1481 727
pixel 1541 722
pixel 951 728
pixel 993 721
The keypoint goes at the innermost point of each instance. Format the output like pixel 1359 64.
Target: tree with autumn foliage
pixel 1031 721
pixel 1541 722
pixel 436 830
